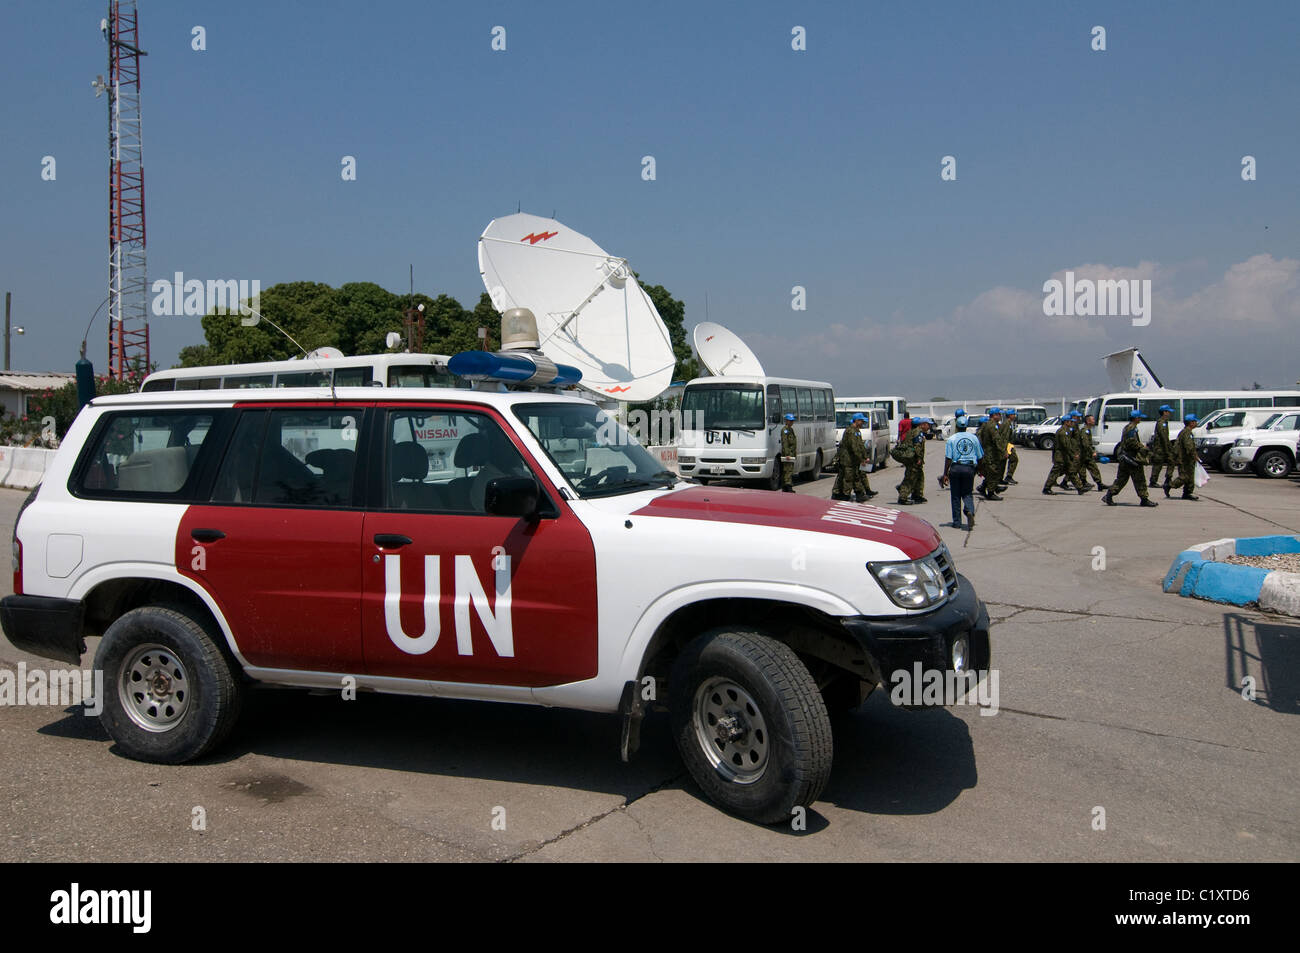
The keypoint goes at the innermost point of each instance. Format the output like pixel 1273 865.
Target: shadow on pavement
pixel 1269 652
pixel 892 761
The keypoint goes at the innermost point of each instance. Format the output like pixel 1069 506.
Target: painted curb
pixel 1200 572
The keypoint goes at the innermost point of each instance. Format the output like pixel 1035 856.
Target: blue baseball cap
pixel 1164 407
pixel 1189 419
pixel 862 417
pixel 994 410
pixel 1135 415
pixel 789 416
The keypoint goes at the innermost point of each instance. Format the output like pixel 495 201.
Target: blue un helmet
pixel 1135 415
pixel 1164 407
pixel 789 417
pixel 857 417
pixel 1190 419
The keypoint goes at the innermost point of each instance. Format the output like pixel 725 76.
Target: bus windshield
pixel 724 406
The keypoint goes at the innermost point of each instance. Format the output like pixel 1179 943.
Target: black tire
pixel 774 481
pixel 194 706
pixel 818 466
pixel 1273 465
pixel 781 757
pixel 1046 442
pixel 702 481
pixel 1235 467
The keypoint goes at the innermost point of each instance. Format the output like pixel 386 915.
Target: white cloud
pixel 1239 328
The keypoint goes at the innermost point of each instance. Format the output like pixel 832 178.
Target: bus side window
pixel 774 412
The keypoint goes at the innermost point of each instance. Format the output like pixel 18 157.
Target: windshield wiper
pixel 623 486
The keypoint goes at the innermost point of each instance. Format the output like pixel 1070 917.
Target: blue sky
pixel 775 168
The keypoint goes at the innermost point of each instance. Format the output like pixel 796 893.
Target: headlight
pixel 1211 440
pixel 914 584
pixel 753 461
pixel 1244 442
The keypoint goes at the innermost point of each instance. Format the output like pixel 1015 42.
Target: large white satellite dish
pixel 591 312
pixel 724 353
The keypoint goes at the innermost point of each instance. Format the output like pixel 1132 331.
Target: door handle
pixel 207 535
pixel 391 540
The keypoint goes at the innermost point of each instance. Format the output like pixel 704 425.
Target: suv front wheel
pixel 750 724
pixel 170 694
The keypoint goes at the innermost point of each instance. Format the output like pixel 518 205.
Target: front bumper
pixel 1210 453
pixel 50 628
pixel 1243 454
pixel 899 643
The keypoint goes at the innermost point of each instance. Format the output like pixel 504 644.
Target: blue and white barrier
pixel 1201 572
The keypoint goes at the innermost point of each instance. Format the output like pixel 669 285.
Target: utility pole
pixel 7 296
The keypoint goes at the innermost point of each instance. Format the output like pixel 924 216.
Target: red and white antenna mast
pixel 128 315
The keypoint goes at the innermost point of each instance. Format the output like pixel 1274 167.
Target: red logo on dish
pixel 534 237
pixel 616 390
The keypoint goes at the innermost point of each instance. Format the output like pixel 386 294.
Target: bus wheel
pixel 774 481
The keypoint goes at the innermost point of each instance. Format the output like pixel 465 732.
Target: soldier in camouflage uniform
pixel 1003 443
pixel 1088 453
pixel 1013 459
pixel 1132 457
pixel 1162 452
pixel 911 454
pixel 851 480
pixel 991 463
pixel 1066 457
pixel 789 454
pixel 1184 454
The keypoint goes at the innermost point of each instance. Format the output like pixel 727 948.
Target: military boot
pixel 1147 501
pixel 1166 488
pixel 1107 499
pixel 1187 495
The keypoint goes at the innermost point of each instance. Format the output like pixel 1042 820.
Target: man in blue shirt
pixel 962 453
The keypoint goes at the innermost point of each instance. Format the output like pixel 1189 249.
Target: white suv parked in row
pixel 1270 450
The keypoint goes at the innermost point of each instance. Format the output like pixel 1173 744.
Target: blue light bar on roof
pixel 515 368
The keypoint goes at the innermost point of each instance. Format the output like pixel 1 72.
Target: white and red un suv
pixel 515 547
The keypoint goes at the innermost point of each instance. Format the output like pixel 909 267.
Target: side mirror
pixel 513 496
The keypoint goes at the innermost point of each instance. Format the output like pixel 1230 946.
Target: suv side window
pixel 135 456
pixel 291 458
pixel 441 460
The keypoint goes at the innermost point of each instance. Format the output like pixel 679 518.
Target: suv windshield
pixel 591 448
pixel 725 406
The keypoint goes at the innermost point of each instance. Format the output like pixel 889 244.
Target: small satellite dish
pixel 326 352
pixel 591 312
pixel 393 339
pixel 724 353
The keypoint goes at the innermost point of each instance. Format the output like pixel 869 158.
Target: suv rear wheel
pixel 170 694
pixel 750 724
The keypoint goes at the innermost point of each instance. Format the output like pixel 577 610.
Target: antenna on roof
pixel 252 319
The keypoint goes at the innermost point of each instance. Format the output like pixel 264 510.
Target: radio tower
pixel 128 316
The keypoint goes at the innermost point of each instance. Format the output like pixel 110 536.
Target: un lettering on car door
pixel 451 592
